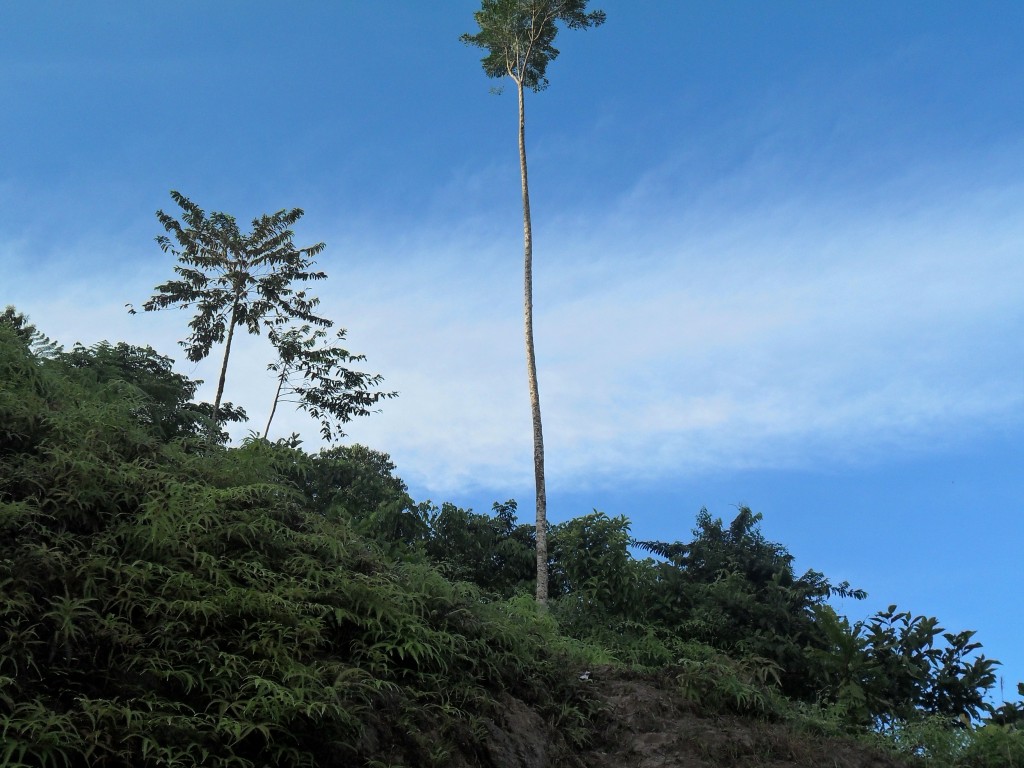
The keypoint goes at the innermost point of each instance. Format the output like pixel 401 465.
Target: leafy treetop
pixel 223 270
pixel 519 35
pixel 233 278
pixel 316 375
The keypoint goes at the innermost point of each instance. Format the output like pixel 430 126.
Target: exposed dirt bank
pixel 647 724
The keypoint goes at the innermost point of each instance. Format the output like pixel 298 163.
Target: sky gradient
pixel 779 253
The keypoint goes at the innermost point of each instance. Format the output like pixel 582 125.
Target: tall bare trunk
pixel 531 365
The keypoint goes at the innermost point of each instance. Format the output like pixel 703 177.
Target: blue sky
pixel 779 252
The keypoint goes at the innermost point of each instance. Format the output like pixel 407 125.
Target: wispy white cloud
pixel 781 334
pixel 785 343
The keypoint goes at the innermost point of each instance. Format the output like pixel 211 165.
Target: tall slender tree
pixel 234 279
pixel 518 36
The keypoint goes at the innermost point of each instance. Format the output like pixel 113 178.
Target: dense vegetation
pixel 168 599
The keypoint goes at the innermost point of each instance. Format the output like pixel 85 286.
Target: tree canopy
pixel 233 278
pixel 318 378
pixel 519 36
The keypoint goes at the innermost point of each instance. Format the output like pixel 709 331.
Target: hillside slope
pixel 645 722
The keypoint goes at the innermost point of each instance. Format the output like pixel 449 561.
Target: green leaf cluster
pixel 234 278
pixel 317 377
pixel 519 36
pixel 494 551
pixel 167 601
pixel 895 667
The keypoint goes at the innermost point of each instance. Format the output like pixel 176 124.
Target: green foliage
pixel 316 376
pixel 352 480
pixel 733 594
pixel 599 590
pixel 234 279
pixel 929 738
pixel 896 668
pixel 519 36
pixel 935 743
pixel 171 602
pixel 35 341
pixel 994 746
pixel 930 741
pixel 165 398
pixel 736 591
pixel 357 485
pixel 591 562
pixel 493 552
pixel 718 682
pixel 1010 712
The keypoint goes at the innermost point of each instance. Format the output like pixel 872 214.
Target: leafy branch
pixel 317 377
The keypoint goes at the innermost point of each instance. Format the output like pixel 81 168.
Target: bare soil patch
pixel 646 723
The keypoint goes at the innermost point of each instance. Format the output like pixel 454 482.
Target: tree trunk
pixel 277 397
pixel 224 365
pixel 531 365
